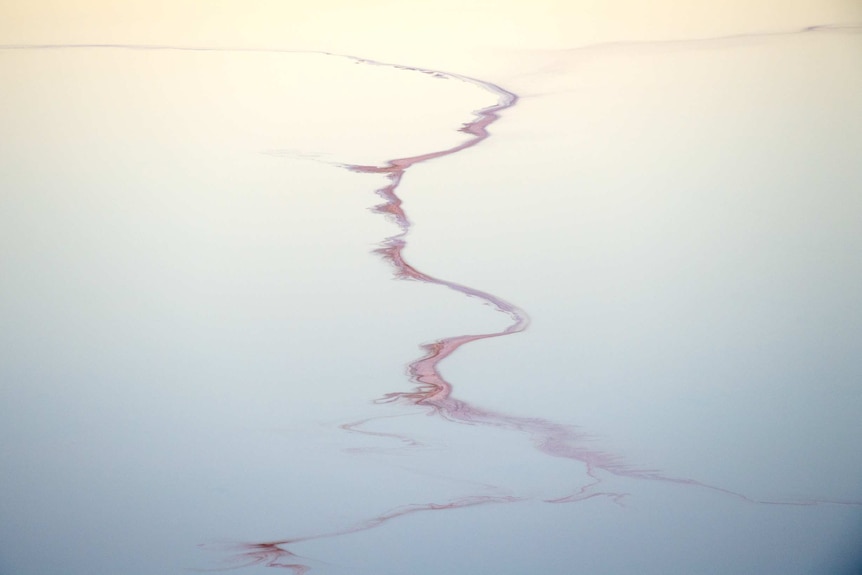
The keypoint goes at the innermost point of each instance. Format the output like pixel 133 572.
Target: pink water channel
pixel 431 393
pixel 435 395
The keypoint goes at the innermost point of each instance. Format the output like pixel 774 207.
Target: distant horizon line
pixel 816 28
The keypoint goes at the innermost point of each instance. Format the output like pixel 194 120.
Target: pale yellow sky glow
pixel 410 27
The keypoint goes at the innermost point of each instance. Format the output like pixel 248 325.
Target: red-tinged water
pixel 435 394
pixel 136 398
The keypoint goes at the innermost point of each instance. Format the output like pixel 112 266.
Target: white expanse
pixel 191 306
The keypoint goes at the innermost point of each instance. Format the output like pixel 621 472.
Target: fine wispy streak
pixel 432 392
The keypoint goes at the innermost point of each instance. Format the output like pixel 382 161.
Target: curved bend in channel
pixel 434 393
